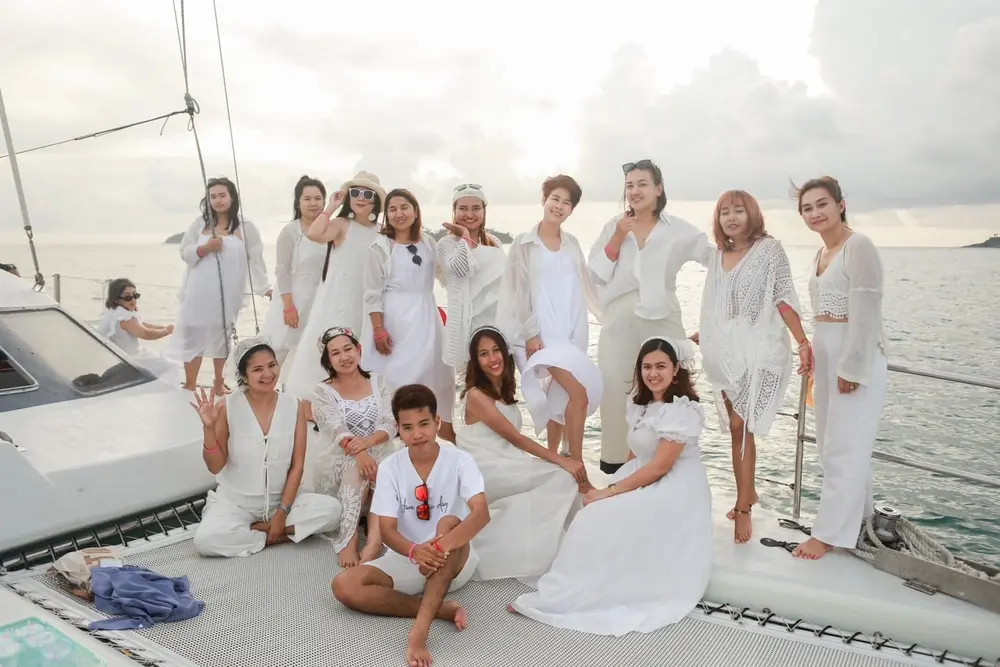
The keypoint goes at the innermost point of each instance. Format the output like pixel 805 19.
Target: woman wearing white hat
pixel 347 235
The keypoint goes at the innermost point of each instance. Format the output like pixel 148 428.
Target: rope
pixel 94 135
pixel 916 542
pixel 236 169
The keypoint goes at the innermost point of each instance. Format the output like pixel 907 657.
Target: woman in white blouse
pixel 298 270
pixel 544 299
pixel 402 336
pixel 353 412
pixel 845 288
pixel 122 325
pixel 221 251
pixel 636 260
pixel 748 307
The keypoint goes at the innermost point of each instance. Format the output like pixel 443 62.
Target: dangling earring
pixel 372 217
pixel 350 216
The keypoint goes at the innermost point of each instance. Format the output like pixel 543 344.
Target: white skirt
pixel 545 399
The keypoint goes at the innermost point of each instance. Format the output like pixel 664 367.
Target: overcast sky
pixel 897 98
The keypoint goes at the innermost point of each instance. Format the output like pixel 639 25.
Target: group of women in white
pixel 362 291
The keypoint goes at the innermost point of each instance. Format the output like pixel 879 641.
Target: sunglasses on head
pixel 358 193
pixel 130 297
pixel 641 164
pixel 468 186
pixel 423 509
pixel 417 259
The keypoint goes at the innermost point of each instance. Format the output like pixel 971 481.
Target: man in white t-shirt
pixel 430 502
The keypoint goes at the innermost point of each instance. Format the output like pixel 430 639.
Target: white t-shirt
pixel 452 481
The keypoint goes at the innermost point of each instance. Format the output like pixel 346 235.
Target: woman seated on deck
pixel 639 555
pixel 353 412
pixel 255 445
pixel 530 488
pixel 122 325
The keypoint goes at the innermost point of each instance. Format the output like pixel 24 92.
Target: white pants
pixel 406 577
pixel 846 426
pixel 225 521
pixel 622 334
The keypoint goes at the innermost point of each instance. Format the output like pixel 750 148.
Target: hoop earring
pixel 372 217
pixel 350 215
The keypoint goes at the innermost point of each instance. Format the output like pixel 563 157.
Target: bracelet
pixel 289 310
pixel 412 547
pixel 382 335
pixel 209 449
pixel 805 343
pixel 437 546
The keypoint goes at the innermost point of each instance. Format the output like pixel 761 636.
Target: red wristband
pixel 290 310
pixel 412 547
pixel 437 546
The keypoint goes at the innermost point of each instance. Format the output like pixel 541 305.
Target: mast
pixel 39 278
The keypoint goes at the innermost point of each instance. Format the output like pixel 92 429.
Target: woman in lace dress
pixel 638 556
pixel 473 262
pixel 845 289
pixel 531 490
pixel 298 270
pixel 353 412
pixel 347 227
pixel 403 336
pixel 225 258
pixel 636 260
pixel 748 307
pixel 544 300
pixel 122 325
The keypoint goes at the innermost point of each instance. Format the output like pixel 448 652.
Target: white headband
pixel 491 329
pixel 684 349
pixel 231 372
pixel 469 190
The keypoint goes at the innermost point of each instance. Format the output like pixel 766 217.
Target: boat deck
pixel 275 609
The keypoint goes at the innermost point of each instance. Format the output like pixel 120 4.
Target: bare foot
pixel 417 654
pixel 370 552
pixel 743 527
pixel 811 549
pixel 460 618
pixel 349 556
pixel 731 514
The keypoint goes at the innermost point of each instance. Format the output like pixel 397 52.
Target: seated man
pixel 430 503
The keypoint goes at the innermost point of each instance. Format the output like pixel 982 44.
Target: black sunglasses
pixel 641 164
pixel 130 297
pixel 417 259
pixel 358 193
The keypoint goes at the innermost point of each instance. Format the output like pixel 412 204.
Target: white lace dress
pixel 531 501
pixel 640 560
pixel 335 472
pixel 745 344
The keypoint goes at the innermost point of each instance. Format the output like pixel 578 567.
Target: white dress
pixel 110 327
pixel 531 501
pixel 744 342
pixel 252 481
pixel 337 304
pixel 210 305
pixel 298 271
pixel 410 316
pixel 336 473
pixel 641 560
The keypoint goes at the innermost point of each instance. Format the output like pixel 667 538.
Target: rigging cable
pixel 39 278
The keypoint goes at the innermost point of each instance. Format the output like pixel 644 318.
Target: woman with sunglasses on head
pixel 636 260
pixel 543 307
pixel 473 262
pixel 347 226
pixel 402 335
pixel 638 556
pixel 298 270
pixel 353 411
pixel 222 252
pixel 122 325
pixel 531 489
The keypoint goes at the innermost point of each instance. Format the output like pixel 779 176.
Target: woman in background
pixel 121 324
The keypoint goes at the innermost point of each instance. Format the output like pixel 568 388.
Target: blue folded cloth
pixel 140 598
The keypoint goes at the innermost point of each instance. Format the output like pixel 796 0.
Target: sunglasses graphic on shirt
pixel 423 509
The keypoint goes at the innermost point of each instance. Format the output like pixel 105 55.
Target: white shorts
pixel 406 577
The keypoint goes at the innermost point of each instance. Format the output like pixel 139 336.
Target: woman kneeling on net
pixel 255 445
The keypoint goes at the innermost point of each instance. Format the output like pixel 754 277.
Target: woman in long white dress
pixel 544 298
pixel 638 556
pixel 122 325
pixel 402 336
pixel 223 254
pixel 298 271
pixel 531 490
pixel 473 262
pixel 845 288
pixel 636 260
pixel 748 308
pixel 347 226
pixel 353 411
pixel 255 445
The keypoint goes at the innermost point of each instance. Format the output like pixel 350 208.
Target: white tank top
pixel 258 464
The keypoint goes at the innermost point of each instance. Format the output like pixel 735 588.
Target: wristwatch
pixel 285 508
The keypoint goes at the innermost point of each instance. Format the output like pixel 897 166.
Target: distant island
pixel 503 237
pixel 992 242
